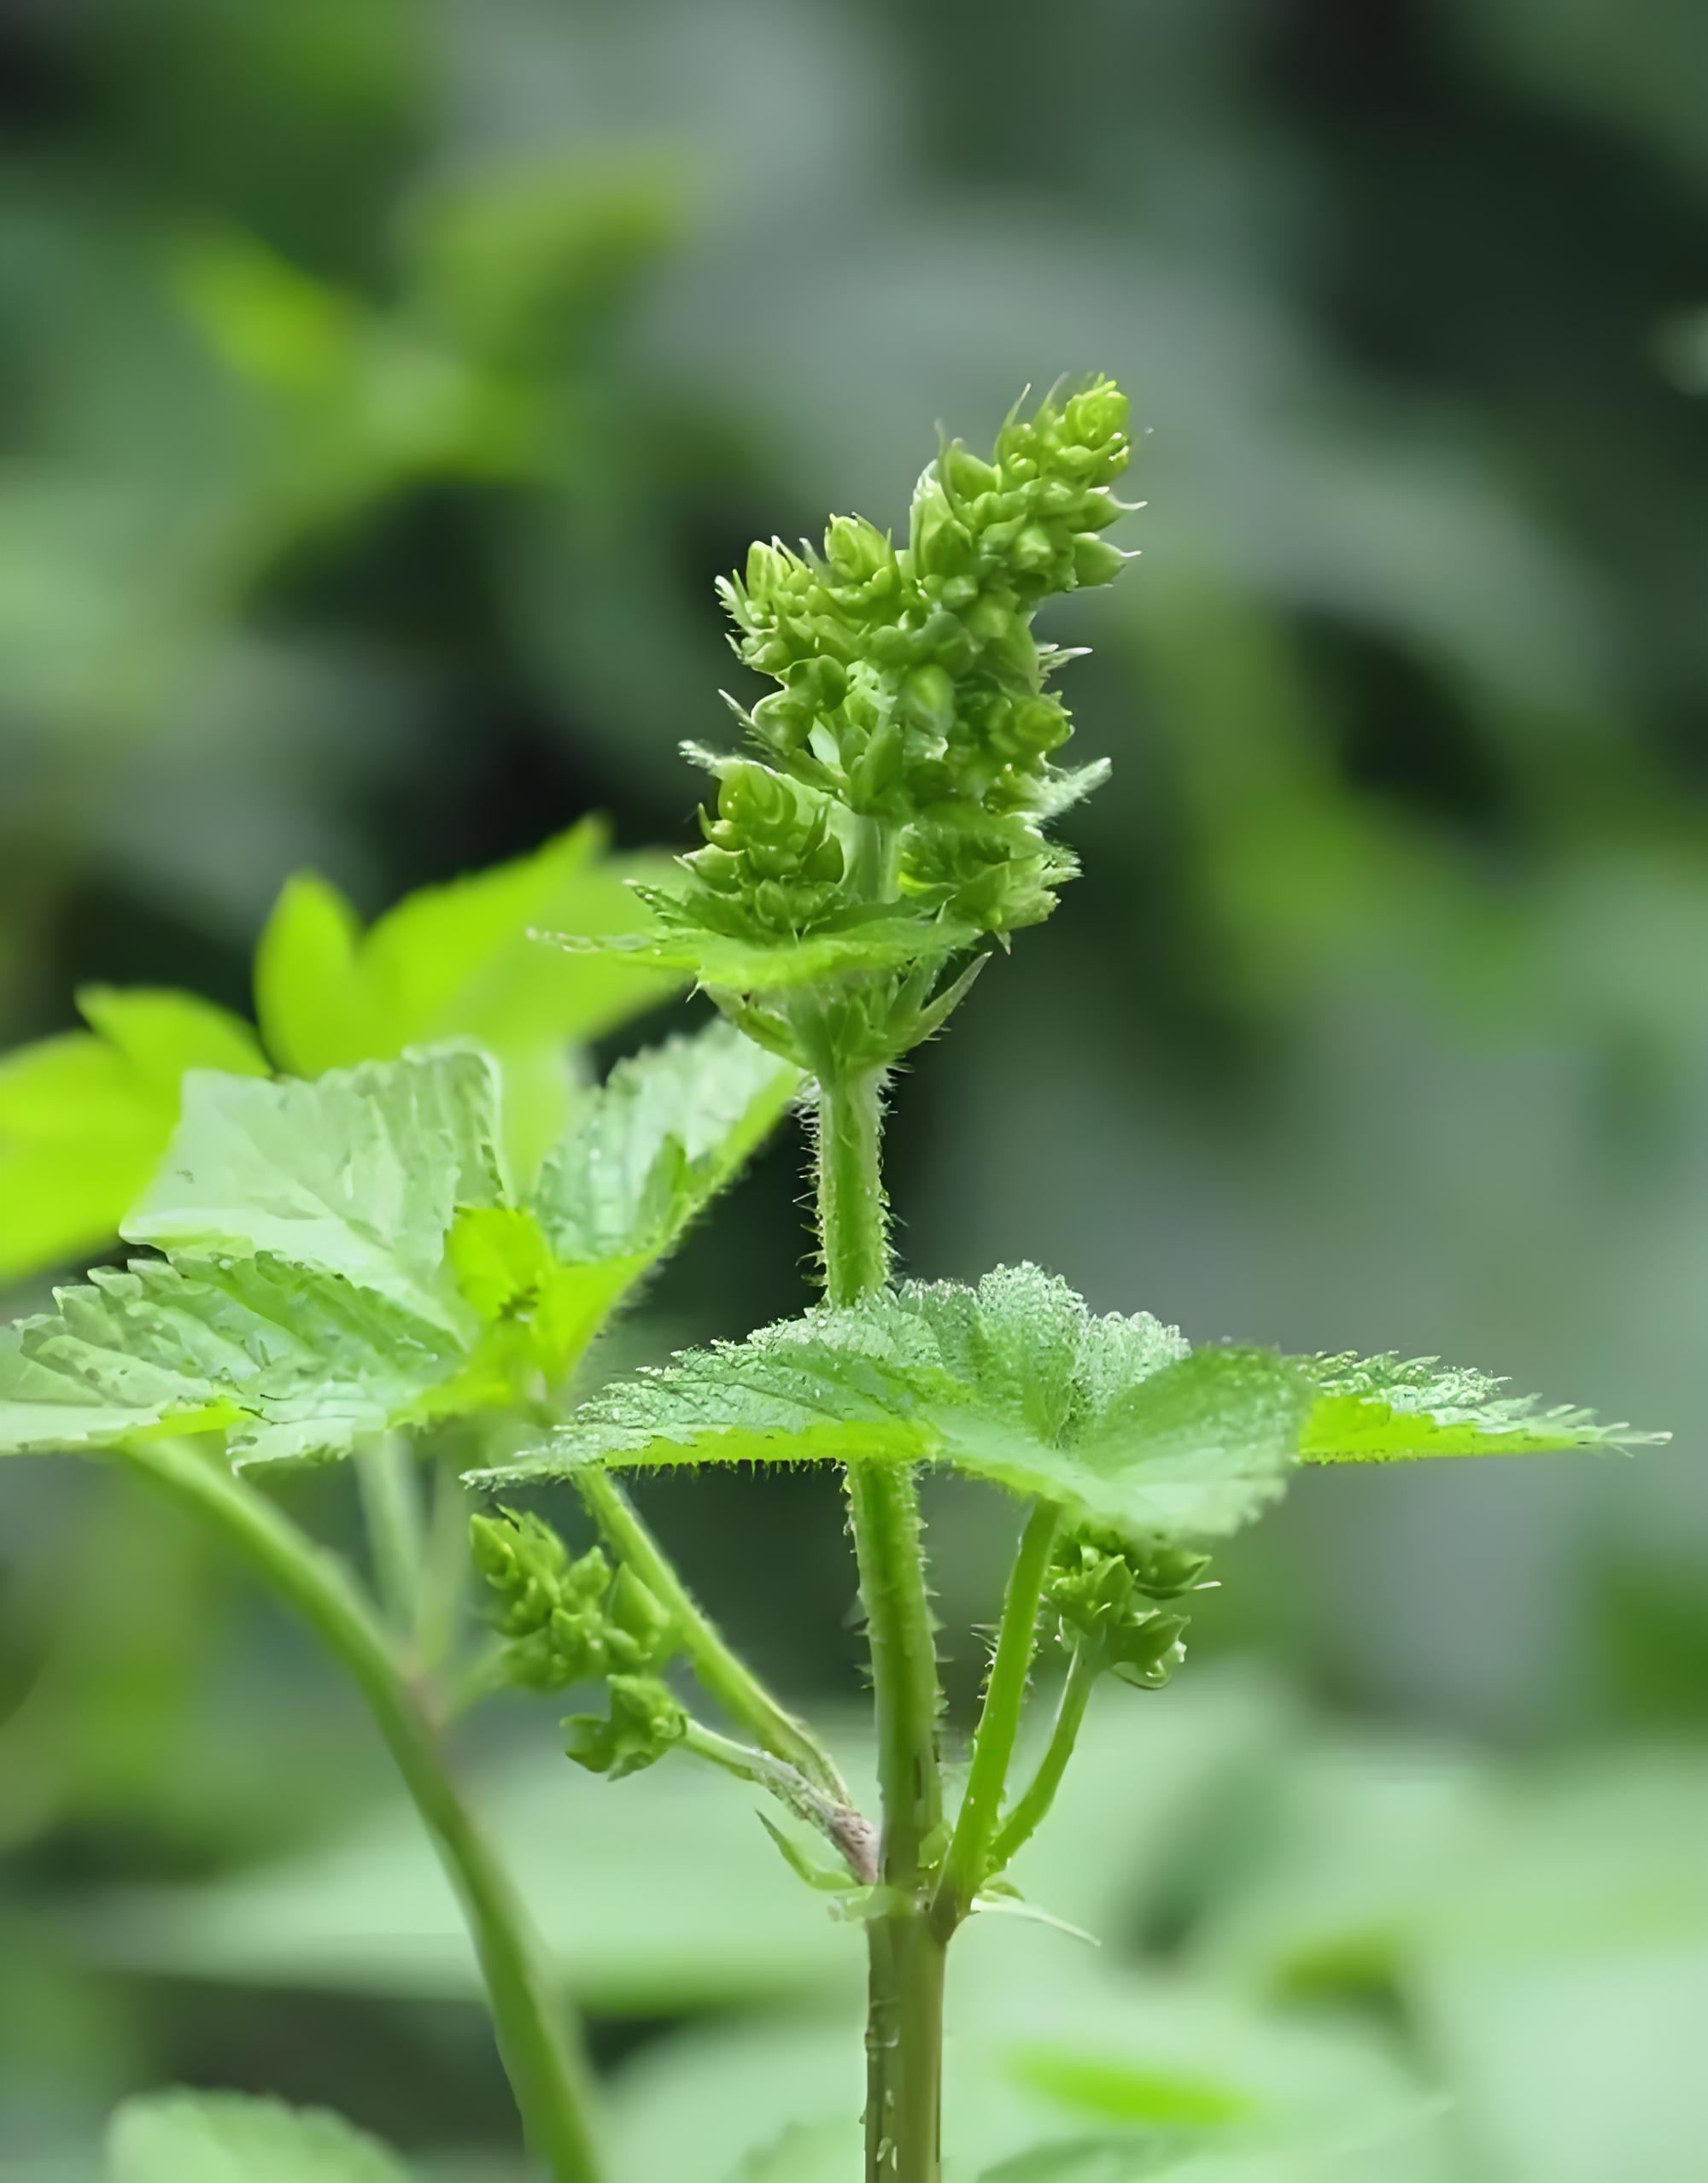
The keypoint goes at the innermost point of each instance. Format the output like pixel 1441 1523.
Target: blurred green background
pixel 384 384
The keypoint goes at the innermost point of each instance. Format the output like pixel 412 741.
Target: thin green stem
pixel 1029 1814
pixel 905 2003
pixel 993 1740
pixel 724 1674
pixel 391 1510
pixel 547 2071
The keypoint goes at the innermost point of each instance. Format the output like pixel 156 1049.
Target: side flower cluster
pixel 1123 1601
pixel 908 755
pixel 567 1620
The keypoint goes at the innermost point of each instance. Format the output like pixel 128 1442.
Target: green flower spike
pixel 564 1621
pixel 894 809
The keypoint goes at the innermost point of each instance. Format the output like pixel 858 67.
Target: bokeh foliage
pixel 383 384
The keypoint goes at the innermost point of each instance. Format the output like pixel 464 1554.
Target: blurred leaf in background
pixel 382 387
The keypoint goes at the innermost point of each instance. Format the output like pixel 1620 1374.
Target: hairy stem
pixel 545 2069
pixel 390 1496
pixel 848 1831
pixel 904 2019
pixel 1029 1814
pixel 724 1674
pixel 993 1742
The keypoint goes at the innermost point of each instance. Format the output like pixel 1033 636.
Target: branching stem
pixel 547 2071
pixel 993 1740
pixel 1033 1808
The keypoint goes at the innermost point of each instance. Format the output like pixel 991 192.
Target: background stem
pixel 547 2071
pixel 993 1742
pixel 904 2000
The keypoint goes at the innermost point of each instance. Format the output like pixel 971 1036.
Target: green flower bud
pixel 641 1633
pixel 567 1621
pixel 878 769
pixel 1106 1591
pixel 925 701
pixel 822 682
pixel 644 1722
pixel 754 804
pixel 783 720
pixel 1097 416
pixel 965 474
pixel 1032 551
pixel 942 545
pixel 771 903
pixel 855 549
pixel 1147 1650
pixel 1095 561
pixel 716 867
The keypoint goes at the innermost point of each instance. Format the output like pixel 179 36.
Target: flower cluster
pixel 1122 1599
pixel 645 1720
pixel 564 1621
pixel 907 757
pixel 570 1620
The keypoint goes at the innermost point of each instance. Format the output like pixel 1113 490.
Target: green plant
pixel 354 1265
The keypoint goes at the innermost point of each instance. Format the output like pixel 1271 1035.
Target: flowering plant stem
pixel 1031 1806
pixel 966 1865
pixel 541 2055
pixel 905 1970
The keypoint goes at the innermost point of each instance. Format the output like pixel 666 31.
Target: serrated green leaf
pixel 289 1361
pixel 197 2137
pixel 84 1117
pixel 668 1131
pixel 1014 1381
pixel 359 1174
pixel 346 1255
pixel 1388 1409
pixel 892 939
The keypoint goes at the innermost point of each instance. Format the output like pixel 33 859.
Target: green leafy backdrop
pixel 383 387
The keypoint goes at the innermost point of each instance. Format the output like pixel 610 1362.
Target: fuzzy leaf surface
pixel 1389 1409
pixel 358 1174
pixel 348 1255
pixel 1014 1381
pixel 668 1131
pixel 193 2137
pixel 892 940
pixel 289 1361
